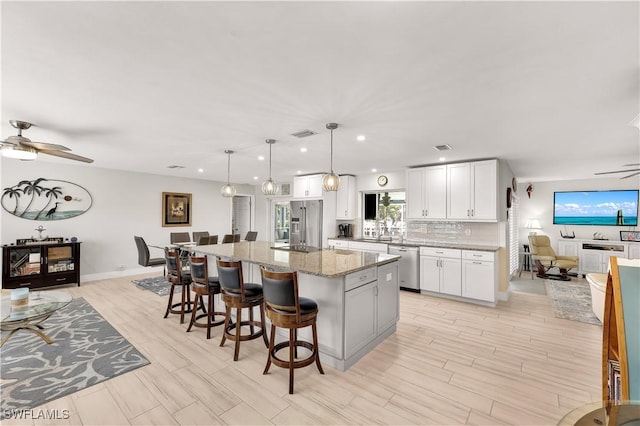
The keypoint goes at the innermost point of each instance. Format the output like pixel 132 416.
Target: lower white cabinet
pixel 440 270
pixel 479 275
pixel 371 303
pixel 593 255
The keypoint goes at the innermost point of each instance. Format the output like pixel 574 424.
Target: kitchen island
pixel 357 293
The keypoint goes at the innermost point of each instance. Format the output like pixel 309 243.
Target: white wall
pixel 540 206
pixel 124 204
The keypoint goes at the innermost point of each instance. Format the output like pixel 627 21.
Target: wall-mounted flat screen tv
pixel 615 207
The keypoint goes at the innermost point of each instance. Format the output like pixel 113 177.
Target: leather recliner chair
pixel 544 258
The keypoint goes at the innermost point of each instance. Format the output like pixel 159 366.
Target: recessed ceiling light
pixel 374 170
pixel 361 138
pixel 299 171
pixel 303 149
pixel 200 170
pixel 441 159
pixel 261 157
pixel 255 178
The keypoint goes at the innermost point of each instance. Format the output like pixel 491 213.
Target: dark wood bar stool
pixel 178 278
pixel 237 295
pixel 203 286
pixel 286 309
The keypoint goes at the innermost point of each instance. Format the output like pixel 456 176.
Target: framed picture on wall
pixel 629 235
pixel 176 209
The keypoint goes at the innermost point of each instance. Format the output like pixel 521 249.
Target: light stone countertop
pixel 325 263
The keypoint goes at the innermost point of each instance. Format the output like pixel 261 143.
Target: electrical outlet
pixel 120 268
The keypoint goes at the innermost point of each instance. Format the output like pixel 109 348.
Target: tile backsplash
pixel 446 231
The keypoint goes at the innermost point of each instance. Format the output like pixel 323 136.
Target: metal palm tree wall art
pixel 46 199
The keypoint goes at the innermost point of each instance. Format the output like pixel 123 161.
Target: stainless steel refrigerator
pixel 305 227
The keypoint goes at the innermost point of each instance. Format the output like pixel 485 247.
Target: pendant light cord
pixel 228 167
pixel 331 151
pixel 270 160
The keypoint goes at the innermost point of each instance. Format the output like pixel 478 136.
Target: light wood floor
pixel 448 363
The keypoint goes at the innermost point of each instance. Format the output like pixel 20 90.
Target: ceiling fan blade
pixel 617 171
pixel 631 175
pixel 65 154
pixel 631 165
pixel 45 146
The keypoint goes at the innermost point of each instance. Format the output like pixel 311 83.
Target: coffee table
pixel 40 307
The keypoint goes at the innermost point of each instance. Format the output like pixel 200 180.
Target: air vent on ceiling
pixel 445 147
pixel 304 133
pixel 175 167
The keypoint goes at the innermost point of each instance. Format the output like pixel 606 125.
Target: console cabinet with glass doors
pixel 40 265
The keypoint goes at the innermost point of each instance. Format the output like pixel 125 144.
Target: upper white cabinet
pixel 307 186
pixel 346 198
pixel 427 193
pixel 472 190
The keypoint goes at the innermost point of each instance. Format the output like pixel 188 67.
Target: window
pixel 384 214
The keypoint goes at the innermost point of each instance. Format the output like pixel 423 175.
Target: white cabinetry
pixel 472 191
pixel 371 306
pixel 568 248
pixel 346 198
pixel 440 270
pixel 479 271
pixel 427 193
pixel 340 244
pixel 594 255
pixel 307 186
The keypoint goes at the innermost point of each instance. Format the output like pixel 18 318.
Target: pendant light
pixel 269 186
pixel 331 181
pixel 228 190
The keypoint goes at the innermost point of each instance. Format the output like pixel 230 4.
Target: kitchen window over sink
pixel 384 214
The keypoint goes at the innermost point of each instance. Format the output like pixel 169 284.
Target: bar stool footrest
pixel 232 336
pixel 296 364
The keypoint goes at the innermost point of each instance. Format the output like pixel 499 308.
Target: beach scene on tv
pixel 616 208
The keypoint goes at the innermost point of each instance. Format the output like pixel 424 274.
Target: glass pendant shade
pixel 228 190
pixel 331 181
pixel 19 152
pixel 269 186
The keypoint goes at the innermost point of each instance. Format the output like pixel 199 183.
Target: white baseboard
pixel 504 296
pixel 118 274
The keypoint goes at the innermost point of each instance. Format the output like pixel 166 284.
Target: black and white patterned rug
pixel 158 285
pixel 86 350
pixel 571 300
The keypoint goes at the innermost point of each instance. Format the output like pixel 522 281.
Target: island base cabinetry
pixel 355 312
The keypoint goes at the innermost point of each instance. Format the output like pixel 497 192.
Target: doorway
pixel 242 216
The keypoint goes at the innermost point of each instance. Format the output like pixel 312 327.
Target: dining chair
pixel 179 237
pixel 144 258
pixel 213 239
pixel 197 235
pixel 228 238
pixel 251 236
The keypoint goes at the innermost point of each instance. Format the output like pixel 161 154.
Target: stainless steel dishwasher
pixel 409 266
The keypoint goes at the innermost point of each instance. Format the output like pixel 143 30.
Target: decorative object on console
pixel 331 181
pixel 629 235
pixel 566 233
pixel 176 209
pixel 228 190
pixel 46 199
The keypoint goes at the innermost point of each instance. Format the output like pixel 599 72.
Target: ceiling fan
pixel 25 149
pixel 633 172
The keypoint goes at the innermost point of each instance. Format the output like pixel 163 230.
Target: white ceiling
pixel 550 87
